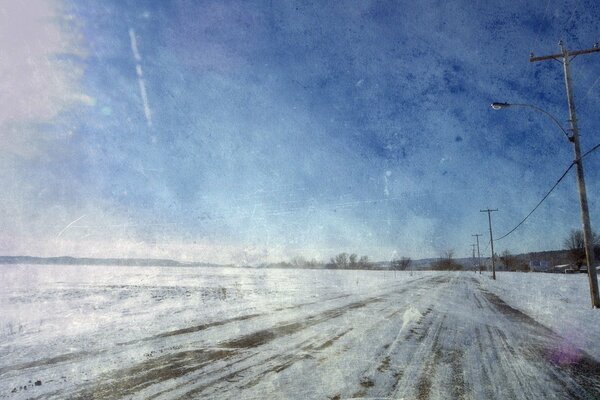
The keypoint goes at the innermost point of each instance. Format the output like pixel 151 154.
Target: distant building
pixel 562 268
pixel 539 266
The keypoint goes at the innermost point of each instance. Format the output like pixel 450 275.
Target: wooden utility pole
pixel 565 58
pixel 478 255
pixel 489 212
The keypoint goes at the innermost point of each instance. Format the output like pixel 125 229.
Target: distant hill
pixel 554 257
pixel 134 262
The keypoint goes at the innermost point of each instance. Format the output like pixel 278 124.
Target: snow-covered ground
pixel 47 303
pixel 169 333
pixel 560 301
pixel 74 312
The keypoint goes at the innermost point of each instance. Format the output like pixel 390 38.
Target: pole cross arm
pixel 560 55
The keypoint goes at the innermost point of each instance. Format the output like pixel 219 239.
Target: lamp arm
pixel 547 114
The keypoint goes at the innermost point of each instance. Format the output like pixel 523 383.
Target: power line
pixel 587 153
pixel 538 204
pixel 592 86
pixel 596 147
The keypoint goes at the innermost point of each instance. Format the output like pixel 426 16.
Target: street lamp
pixel 585 213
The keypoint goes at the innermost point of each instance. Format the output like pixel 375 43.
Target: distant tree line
pixel 349 261
pixel 513 263
pixel 346 261
pixel 446 262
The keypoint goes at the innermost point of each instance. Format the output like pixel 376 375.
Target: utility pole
pixel 478 256
pixel 473 247
pixel 489 212
pixel 565 58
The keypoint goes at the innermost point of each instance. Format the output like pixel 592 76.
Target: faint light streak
pixel 140 76
pixel 592 87
pixel 386 190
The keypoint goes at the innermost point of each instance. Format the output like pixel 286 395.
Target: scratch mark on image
pixel 140 75
pixel 68 226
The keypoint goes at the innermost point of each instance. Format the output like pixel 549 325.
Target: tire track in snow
pixel 497 352
pixel 176 365
pixel 397 366
pixel 466 344
pixel 309 350
pixel 133 380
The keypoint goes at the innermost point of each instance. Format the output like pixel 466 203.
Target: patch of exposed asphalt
pixel 295 306
pixel 288 360
pixel 191 329
pixel 419 330
pixel 230 377
pixel 455 359
pixel 332 340
pixel 303 352
pixel 424 387
pixel 261 337
pixel 46 361
pixel 371 383
pixel 516 315
pixel 485 374
pixel 477 302
pixel 385 364
pixel 431 364
pixel 283 363
pixel 201 327
pixel 128 381
pixel 417 334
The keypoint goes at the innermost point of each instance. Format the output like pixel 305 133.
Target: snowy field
pixel 168 333
pixel 51 312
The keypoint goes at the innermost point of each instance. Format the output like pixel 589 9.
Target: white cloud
pixel 35 84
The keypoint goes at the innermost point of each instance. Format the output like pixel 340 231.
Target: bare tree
pixel 448 254
pixel 352 261
pixel 340 261
pixel 509 261
pixel 298 262
pixel 446 262
pixel 575 244
pixel 401 264
pixel 364 263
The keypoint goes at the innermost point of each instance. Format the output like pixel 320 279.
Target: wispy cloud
pixel 282 128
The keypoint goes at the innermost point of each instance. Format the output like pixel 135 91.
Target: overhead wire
pixel 587 153
pixel 538 204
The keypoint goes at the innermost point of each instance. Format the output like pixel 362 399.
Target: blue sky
pixel 269 130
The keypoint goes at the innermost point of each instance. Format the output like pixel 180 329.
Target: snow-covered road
pixel 434 336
